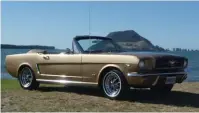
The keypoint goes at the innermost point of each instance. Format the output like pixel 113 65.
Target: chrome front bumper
pixel 148 79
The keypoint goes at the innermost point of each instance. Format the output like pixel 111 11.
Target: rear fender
pixel 21 65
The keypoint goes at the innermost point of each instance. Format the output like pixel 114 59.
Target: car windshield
pixel 98 45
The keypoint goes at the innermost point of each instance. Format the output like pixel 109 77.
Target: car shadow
pixel 176 98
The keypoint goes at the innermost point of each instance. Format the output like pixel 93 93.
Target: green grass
pixel 13 84
pixel 8 84
pixel 49 98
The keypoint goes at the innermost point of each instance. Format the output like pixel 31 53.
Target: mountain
pixel 130 40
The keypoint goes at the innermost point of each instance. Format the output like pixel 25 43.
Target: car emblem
pixel 172 62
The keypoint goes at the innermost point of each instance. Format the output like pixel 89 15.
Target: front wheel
pixel 114 84
pixel 27 79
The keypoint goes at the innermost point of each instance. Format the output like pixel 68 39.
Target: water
pixel 193 67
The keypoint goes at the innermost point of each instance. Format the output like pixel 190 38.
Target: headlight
pixel 141 64
pixel 185 63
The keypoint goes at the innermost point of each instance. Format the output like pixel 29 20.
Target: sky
pixel 167 24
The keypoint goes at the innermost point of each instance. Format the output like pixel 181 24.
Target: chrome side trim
pixel 159 74
pixel 37 69
pixel 63 76
pixel 67 82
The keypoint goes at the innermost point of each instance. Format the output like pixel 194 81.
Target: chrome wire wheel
pixel 112 84
pixel 26 77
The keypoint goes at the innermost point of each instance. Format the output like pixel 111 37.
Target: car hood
pixel 150 54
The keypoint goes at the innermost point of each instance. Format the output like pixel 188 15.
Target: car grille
pixel 169 62
pixel 154 71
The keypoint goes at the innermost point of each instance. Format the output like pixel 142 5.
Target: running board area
pixel 66 82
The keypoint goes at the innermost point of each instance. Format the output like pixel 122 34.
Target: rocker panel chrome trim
pixel 67 82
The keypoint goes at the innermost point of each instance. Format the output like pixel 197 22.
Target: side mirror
pixel 68 51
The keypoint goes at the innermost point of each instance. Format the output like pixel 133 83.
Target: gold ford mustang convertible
pixel 98 61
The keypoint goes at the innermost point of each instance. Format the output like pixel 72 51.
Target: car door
pixel 60 66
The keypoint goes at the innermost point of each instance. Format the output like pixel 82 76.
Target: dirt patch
pixel 184 97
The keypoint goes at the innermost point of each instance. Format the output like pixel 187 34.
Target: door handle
pixel 46 57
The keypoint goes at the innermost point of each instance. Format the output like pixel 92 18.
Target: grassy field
pixel 184 97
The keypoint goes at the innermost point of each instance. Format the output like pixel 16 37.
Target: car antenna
pixel 89 26
pixel 89 16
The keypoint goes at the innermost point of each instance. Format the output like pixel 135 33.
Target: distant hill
pixel 10 46
pixel 130 40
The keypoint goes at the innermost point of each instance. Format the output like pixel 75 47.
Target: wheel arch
pixel 21 66
pixel 105 69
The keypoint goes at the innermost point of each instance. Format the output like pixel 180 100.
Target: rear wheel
pixel 162 89
pixel 114 84
pixel 27 79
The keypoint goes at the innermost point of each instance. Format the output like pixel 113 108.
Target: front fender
pixel 120 67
